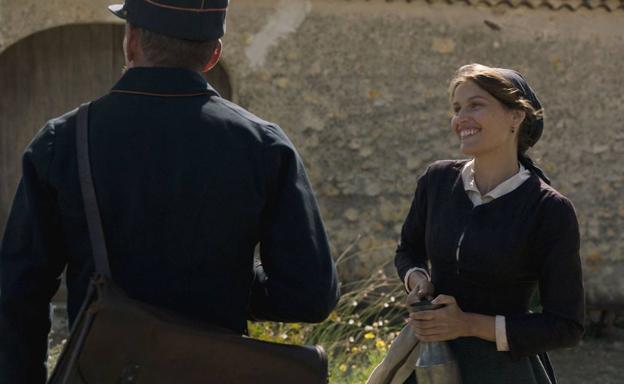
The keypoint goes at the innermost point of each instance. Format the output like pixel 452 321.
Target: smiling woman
pixel 484 234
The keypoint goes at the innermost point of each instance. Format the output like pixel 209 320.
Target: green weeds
pixel 357 334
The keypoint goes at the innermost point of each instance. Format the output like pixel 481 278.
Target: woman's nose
pixel 461 114
pixel 460 117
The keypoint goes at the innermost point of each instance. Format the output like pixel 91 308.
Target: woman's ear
pixel 517 117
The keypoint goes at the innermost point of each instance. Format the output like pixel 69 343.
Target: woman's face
pixel 482 123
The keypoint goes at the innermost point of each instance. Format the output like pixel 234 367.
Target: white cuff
pixel 501 334
pixel 409 272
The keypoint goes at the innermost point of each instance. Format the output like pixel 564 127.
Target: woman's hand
pixel 420 288
pixel 446 323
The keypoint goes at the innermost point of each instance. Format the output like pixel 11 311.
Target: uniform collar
pixel 163 81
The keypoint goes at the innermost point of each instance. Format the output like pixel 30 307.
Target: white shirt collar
pixel 501 189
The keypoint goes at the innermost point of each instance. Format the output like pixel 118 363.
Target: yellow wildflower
pixel 380 344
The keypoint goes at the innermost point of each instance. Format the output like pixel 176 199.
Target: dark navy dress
pixel 522 242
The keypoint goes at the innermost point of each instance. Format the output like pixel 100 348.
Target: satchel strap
pixel 94 221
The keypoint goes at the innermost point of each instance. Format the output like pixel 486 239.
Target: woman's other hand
pixel 419 288
pixel 446 323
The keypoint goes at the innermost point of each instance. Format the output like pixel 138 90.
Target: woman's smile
pixel 468 132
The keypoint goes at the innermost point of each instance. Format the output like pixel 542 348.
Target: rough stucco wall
pixel 360 87
pixel 20 18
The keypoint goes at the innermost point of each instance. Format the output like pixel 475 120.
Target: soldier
pixel 187 183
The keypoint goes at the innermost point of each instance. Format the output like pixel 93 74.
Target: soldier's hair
pixel 165 51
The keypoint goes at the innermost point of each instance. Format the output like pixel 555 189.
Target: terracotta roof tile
pixel 555 5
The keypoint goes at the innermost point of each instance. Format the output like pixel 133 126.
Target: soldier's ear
pixel 132 46
pixel 214 59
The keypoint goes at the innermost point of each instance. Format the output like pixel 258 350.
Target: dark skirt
pixel 480 363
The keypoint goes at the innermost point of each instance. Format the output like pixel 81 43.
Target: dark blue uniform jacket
pixel 188 184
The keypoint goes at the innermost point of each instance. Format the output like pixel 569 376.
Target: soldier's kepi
pixel 196 20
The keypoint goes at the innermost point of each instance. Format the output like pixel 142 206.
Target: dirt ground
pixel 596 360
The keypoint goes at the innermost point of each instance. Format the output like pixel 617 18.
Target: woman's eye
pixel 475 105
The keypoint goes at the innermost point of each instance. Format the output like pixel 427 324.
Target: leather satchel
pixel 116 339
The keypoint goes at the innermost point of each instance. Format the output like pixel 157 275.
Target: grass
pixel 357 334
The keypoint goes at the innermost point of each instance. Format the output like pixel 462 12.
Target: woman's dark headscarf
pixel 534 131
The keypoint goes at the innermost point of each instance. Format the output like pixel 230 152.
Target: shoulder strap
pixel 96 233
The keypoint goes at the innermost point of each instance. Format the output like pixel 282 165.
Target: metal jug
pixel 436 364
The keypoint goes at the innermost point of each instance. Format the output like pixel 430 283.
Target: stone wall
pixel 361 88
